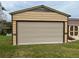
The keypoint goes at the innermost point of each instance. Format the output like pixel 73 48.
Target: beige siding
pixel 66 32
pixel 47 16
pixel 14 32
pixel 65 27
pixel 14 40
pixel 65 40
pixel 14 27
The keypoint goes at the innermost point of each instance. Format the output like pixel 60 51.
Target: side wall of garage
pixel 38 16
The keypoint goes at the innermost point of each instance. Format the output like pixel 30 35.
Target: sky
pixel 69 7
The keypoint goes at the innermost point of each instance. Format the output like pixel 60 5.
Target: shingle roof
pixel 41 6
pixel 74 19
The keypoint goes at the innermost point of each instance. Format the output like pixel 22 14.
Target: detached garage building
pixel 39 25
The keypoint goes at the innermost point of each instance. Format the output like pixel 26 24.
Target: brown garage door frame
pixel 38 21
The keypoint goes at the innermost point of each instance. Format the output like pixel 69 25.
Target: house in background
pixel 39 25
pixel 74 28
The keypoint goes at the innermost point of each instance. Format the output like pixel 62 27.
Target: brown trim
pixel 63 32
pixel 67 29
pixel 16 33
pixel 12 27
pixel 39 21
pixel 28 20
pixel 68 33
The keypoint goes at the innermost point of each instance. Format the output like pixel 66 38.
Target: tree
pixel 2 20
pixel 2 15
pixel 9 27
pixel 6 27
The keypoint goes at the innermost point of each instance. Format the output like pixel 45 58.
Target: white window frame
pixel 73 30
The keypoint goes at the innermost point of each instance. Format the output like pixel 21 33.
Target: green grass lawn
pixel 39 51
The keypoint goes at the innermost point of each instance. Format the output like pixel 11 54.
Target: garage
pixel 39 25
pixel 39 32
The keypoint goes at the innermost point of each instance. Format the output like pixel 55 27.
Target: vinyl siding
pixel 66 27
pixel 14 27
pixel 14 40
pixel 47 16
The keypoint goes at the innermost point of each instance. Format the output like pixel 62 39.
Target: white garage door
pixel 39 32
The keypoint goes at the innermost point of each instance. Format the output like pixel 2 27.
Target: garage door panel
pixel 33 32
pixel 34 39
pixel 41 35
